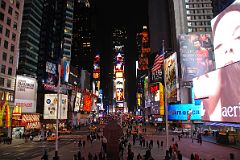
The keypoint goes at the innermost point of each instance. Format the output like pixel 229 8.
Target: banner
pixel 196 55
pixel 184 112
pixel 225 29
pixel 26 94
pixel 171 74
pixel 50 106
pixel 161 102
pixel 219 91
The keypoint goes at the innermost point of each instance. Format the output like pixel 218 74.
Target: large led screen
pixel 171 74
pixel 226 35
pixel 219 91
pixel 196 54
pixel 184 112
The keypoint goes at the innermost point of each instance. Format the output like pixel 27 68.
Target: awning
pixel 235 125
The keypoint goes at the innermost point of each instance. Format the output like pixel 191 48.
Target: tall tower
pixel 30 37
pixel 10 27
pixel 119 37
pixel 55 44
pixel 83 35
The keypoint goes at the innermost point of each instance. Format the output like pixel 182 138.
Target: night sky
pixel 132 14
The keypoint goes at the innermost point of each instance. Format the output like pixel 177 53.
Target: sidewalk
pixel 14 142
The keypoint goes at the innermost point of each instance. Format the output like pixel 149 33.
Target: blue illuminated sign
pixel 184 112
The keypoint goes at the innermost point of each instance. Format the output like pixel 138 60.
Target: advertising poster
pixel 50 106
pixel 196 55
pixel 171 74
pixel 119 94
pixel 161 102
pixel 78 102
pixel 26 94
pixel 66 70
pixel 31 121
pixel 51 74
pixel 87 103
pixel 226 32
pixel 184 112
pixel 154 98
pixel 96 67
pixel 219 92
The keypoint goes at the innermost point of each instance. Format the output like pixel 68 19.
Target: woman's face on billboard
pixel 227 39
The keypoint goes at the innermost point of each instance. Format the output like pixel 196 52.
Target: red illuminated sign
pixel 154 88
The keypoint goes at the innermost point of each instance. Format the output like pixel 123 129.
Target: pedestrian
pixel 75 157
pixel 147 144
pixel 196 157
pixel 158 143
pixel 172 139
pixel 95 157
pixel 161 144
pixel 84 143
pixel 179 155
pixel 79 155
pixel 231 156
pixel 90 156
pixel 192 157
pixel 79 143
pixel 179 137
pixel 45 155
pixel 139 157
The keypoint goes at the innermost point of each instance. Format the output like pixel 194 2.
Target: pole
pixel 58 106
pixel 165 100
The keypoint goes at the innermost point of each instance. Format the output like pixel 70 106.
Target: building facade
pixel 30 37
pixel 10 27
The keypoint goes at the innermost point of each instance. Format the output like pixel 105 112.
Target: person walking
pixel 158 144
pixel 45 155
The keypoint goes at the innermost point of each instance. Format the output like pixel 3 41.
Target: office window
pixel 11 60
pixel 3 69
pixel 9 71
pixel 3 4
pixel 1 16
pixel 6 44
pixel 10 9
pixel 12 47
pixel 1 28
pixel 1 81
pixel 13 36
pixel 15 26
pixel 7 33
pixel 18 4
pixel 9 83
pixel 4 56
pixel 16 15
pixel 8 21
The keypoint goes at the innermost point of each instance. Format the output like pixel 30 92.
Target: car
pixel 38 138
pixel 65 131
pixel 51 138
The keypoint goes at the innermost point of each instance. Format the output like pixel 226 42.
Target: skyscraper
pixel 30 37
pixel 55 45
pixel 10 27
pixel 119 37
pixel 83 35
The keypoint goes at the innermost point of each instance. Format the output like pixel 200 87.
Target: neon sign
pixel 5 107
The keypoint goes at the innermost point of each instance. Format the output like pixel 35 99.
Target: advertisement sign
pixel 51 73
pixel 119 94
pixel 87 103
pixel 196 55
pixel 225 29
pixel 66 70
pixel 220 90
pixel 26 94
pixel 50 106
pixel 161 102
pixel 184 112
pixel 171 74
pixel 78 102
pixel 119 83
pixel 31 121
pixel 96 67
pixel 119 63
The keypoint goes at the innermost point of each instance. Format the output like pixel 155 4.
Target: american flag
pixel 158 62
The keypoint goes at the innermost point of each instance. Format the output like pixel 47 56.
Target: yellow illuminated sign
pixel 161 105
pixel 5 107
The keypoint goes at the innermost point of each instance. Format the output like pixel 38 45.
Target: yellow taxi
pixel 65 131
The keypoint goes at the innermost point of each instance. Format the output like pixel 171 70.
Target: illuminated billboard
pixel 50 106
pixel 171 74
pixel 51 76
pixel 87 103
pixel 26 94
pixel 184 112
pixel 119 94
pixel 219 91
pixel 96 67
pixel 66 70
pixel 78 102
pixel 226 32
pixel 196 55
